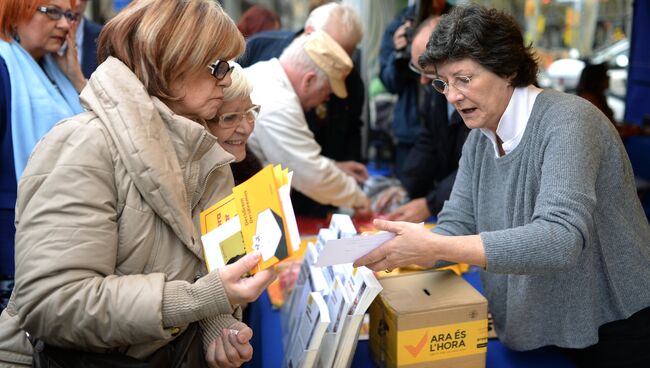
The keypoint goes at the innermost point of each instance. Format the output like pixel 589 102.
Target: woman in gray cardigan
pixel 544 202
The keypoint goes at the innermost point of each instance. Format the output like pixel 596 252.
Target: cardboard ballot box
pixel 428 319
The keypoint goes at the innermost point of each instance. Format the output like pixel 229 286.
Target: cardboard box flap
pixel 428 290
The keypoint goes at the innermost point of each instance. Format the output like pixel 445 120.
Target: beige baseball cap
pixel 330 57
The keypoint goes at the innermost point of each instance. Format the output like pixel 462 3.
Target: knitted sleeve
pixel 184 303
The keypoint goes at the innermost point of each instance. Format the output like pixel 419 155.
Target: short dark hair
pixel 487 36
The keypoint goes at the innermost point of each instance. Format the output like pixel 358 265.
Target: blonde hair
pixel 339 17
pixel 240 87
pixel 162 41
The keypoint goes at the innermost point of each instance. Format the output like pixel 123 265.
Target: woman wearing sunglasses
pixel 38 87
pixel 110 268
pixel 235 122
pixel 544 202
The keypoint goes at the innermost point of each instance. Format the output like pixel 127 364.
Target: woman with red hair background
pixel 40 83
pixel 258 19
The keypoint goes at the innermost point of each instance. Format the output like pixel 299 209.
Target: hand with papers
pixel 413 244
pixel 232 348
pixel 348 250
pixel 257 216
pixel 247 289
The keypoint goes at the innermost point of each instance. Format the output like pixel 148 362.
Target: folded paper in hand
pixel 348 250
pixel 256 216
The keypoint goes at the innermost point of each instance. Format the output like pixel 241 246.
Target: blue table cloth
pixel 267 343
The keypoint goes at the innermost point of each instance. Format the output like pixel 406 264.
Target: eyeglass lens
pixel 419 72
pixel 414 69
pixel 55 13
pixel 460 82
pixel 439 85
pixel 232 119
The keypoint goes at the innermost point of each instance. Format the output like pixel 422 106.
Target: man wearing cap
pixel 337 124
pixel 309 69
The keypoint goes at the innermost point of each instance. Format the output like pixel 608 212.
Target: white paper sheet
pixel 348 250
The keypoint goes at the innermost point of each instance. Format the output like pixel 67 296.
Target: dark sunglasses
pixel 56 13
pixel 219 69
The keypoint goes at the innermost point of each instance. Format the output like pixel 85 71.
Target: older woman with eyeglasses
pixel 38 87
pixel 110 268
pixel 544 202
pixel 235 122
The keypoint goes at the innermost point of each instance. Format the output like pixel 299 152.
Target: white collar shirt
pixel 514 119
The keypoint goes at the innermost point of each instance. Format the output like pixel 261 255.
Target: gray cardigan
pixel 566 241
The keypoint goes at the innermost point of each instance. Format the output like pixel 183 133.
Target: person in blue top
pixel 544 202
pixel 38 87
pixel 395 75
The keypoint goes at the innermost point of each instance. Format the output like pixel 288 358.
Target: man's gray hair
pixel 296 56
pixel 342 17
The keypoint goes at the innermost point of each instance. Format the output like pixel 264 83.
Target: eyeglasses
pixel 460 82
pixel 219 69
pixel 232 119
pixel 417 71
pixel 56 13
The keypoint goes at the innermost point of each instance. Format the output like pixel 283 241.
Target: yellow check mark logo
pixel 415 350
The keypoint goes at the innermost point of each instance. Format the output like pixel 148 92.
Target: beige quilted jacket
pixel 108 242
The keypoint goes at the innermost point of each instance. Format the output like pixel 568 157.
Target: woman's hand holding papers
pixel 245 289
pixel 412 245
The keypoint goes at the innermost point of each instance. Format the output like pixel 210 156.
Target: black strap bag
pixel 186 351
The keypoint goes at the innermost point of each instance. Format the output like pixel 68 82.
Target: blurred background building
pixel 565 33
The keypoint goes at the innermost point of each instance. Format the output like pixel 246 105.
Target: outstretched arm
pixel 414 244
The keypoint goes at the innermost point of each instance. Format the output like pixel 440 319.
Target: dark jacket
pixel 8 186
pixel 400 80
pixel 89 47
pixel 430 169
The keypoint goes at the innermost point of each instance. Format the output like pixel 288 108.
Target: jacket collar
pixel 156 146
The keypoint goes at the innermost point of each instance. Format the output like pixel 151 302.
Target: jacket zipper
pixel 200 189
pixel 205 181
